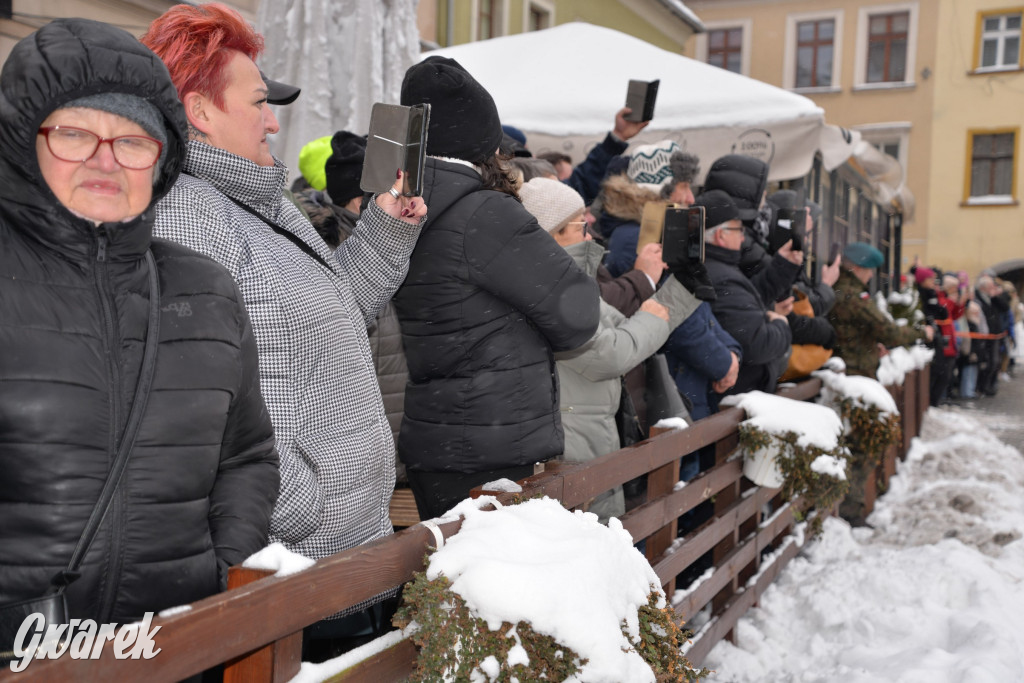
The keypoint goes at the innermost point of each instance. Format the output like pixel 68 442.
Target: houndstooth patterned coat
pixel 335 445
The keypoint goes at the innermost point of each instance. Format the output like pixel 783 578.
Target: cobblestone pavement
pixel 1002 414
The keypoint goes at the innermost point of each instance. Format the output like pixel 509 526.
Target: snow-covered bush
pixel 805 441
pixel 534 592
pixel 871 420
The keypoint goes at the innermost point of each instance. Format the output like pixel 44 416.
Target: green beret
pixel 863 254
pixel 312 158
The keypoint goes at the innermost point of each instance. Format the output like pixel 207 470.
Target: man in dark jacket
pixel 763 333
pixel 199 485
pixel 489 297
pixel 745 180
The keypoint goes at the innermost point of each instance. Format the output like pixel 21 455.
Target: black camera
pixel 789 224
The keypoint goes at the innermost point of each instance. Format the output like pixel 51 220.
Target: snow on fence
pixel 255 628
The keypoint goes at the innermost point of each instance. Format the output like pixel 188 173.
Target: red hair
pixel 196 43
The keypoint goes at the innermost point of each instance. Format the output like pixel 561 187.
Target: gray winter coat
pixel 590 376
pixel 316 369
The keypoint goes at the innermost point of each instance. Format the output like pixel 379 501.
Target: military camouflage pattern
pixel 860 327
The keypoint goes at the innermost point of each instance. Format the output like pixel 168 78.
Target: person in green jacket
pixel 863 332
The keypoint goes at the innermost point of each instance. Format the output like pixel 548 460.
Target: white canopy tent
pixel 562 87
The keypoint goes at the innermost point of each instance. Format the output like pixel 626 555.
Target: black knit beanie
pixel 718 208
pixel 464 122
pixel 345 166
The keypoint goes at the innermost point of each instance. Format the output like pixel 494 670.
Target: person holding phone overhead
pixel 310 306
pixel 123 358
pixel 488 299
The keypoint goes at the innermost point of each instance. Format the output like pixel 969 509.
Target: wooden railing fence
pixel 255 628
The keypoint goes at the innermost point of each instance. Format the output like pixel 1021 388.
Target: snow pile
pixel 945 490
pixel 934 593
pixel 898 298
pixel 314 673
pixel 895 365
pixel 540 563
pixel 278 559
pixel 864 391
pixel 503 485
pixel 882 304
pixel 830 465
pixel 815 425
pixel 671 423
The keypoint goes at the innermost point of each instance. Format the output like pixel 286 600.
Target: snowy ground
pixel 934 592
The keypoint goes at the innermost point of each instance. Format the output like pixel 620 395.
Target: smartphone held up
pixel 397 141
pixel 682 238
pixel 640 98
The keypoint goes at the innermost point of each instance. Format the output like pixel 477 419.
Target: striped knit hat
pixel 650 165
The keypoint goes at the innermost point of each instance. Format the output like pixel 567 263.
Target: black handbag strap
pixel 295 239
pixel 142 388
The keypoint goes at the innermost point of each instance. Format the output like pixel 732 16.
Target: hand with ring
pixel 408 209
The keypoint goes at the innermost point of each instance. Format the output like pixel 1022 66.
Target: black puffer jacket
pixel 74 298
pixel 741 312
pixel 488 297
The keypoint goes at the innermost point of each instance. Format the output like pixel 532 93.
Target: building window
pixel 1000 41
pixel 887 47
pixel 725 48
pixel 814 53
pixel 992 165
pixel 538 15
pixel 485 19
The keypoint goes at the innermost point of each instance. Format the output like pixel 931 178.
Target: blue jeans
pixel 968 380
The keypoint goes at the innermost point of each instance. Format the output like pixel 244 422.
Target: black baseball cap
pixel 278 92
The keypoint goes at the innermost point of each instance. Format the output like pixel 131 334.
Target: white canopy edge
pixel 563 85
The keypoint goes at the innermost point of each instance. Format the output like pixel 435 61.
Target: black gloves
pixel 694 277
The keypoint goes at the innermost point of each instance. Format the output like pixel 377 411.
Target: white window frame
pixel 880 133
pixel 1000 35
pixel 546 6
pixel 474 13
pixel 860 65
pixel 746 25
pixel 789 59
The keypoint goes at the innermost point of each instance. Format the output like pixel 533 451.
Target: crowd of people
pixel 197 360
pixel 976 332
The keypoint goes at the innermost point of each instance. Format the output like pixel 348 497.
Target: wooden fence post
pixel 661 482
pixel 923 395
pixel 274 662
pixel 723 501
pixel 908 411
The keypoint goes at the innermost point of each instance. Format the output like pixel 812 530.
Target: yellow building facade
pixel 937 84
pixel 133 16
pixel 975 186
pixel 664 23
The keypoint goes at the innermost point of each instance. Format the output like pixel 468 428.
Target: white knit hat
pixel 649 164
pixel 552 202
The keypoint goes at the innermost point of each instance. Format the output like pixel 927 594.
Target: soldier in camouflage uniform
pixel 860 326
pixel 861 329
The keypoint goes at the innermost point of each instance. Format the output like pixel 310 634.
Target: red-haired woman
pixel 310 307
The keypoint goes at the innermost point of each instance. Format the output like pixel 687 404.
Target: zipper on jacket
pixel 110 341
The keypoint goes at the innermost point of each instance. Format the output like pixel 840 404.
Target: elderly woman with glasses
pixel 114 346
